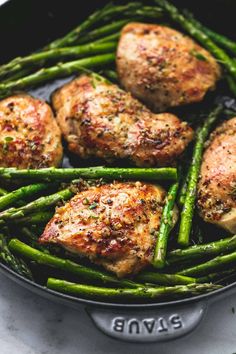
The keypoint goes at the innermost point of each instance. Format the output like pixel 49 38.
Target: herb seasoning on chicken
pixel 29 135
pixel 217 185
pixel 99 119
pixel 115 225
pixel 162 67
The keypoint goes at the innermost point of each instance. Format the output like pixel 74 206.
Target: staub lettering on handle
pixel 136 326
pixel 148 324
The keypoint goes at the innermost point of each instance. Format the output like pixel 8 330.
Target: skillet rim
pixel 39 289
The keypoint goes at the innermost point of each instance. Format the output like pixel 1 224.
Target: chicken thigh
pixel 162 67
pixel 29 135
pixel 114 225
pixel 99 119
pixel 217 185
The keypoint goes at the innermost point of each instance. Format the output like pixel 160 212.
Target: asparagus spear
pixel 41 217
pixel 210 266
pixel 110 173
pixel 16 264
pixel 36 205
pixel 111 75
pixel 189 205
pixel 3 192
pixel 165 227
pixel 223 41
pixel 231 83
pixel 41 58
pixel 111 38
pixel 164 279
pixel 59 70
pixel 199 35
pixel 215 248
pixel 32 239
pixel 105 14
pixel 212 277
pixel 66 265
pixel 21 193
pixel 25 72
pixel 183 189
pixel 104 31
pixel 89 291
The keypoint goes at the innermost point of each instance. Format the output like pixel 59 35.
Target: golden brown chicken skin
pixel 99 119
pixel 162 67
pixel 114 225
pixel 217 185
pixel 29 135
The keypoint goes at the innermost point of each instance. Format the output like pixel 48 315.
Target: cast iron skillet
pixel 131 322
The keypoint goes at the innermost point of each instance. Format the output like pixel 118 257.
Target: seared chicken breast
pixel 114 225
pixel 217 185
pixel 162 67
pixel 99 119
pixel 29 135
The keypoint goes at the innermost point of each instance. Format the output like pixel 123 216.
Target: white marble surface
pixel 30 324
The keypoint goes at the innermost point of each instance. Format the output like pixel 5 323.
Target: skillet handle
pixel 151 325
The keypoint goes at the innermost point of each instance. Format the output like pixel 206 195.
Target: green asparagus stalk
pixel 197 234
pixel 59 70
pixel 41 217
pixel 199 35
pixel 29 234
pixel 104 31
pixel 21 193
pixel 36 205
pixel 110 75
pixel 164 279
pixel 41 58
pixel 89 291
pixel 189 205
pixel 16 264
pixel 165 227
pixel 39 204
pixel 14 77
pixel 108 39
pixel 183 189
pixel 215 248
pixel 140 14
pixel 67 265
pixel 32 239
pixel 213 277
pixel 3 192
pixel 107 13
pixel 210 266
pixel 221 40
pixel 231 84
pixel 110 173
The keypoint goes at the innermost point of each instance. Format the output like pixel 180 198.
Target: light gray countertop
pixel 30 324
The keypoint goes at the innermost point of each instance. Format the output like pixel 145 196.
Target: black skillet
pixel 26 25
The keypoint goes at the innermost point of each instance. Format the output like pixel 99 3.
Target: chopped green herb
pixel 93 206
pixel 93 216
pixel 8 139
pixel 97 79
pixel 198 55
pixel 85 201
